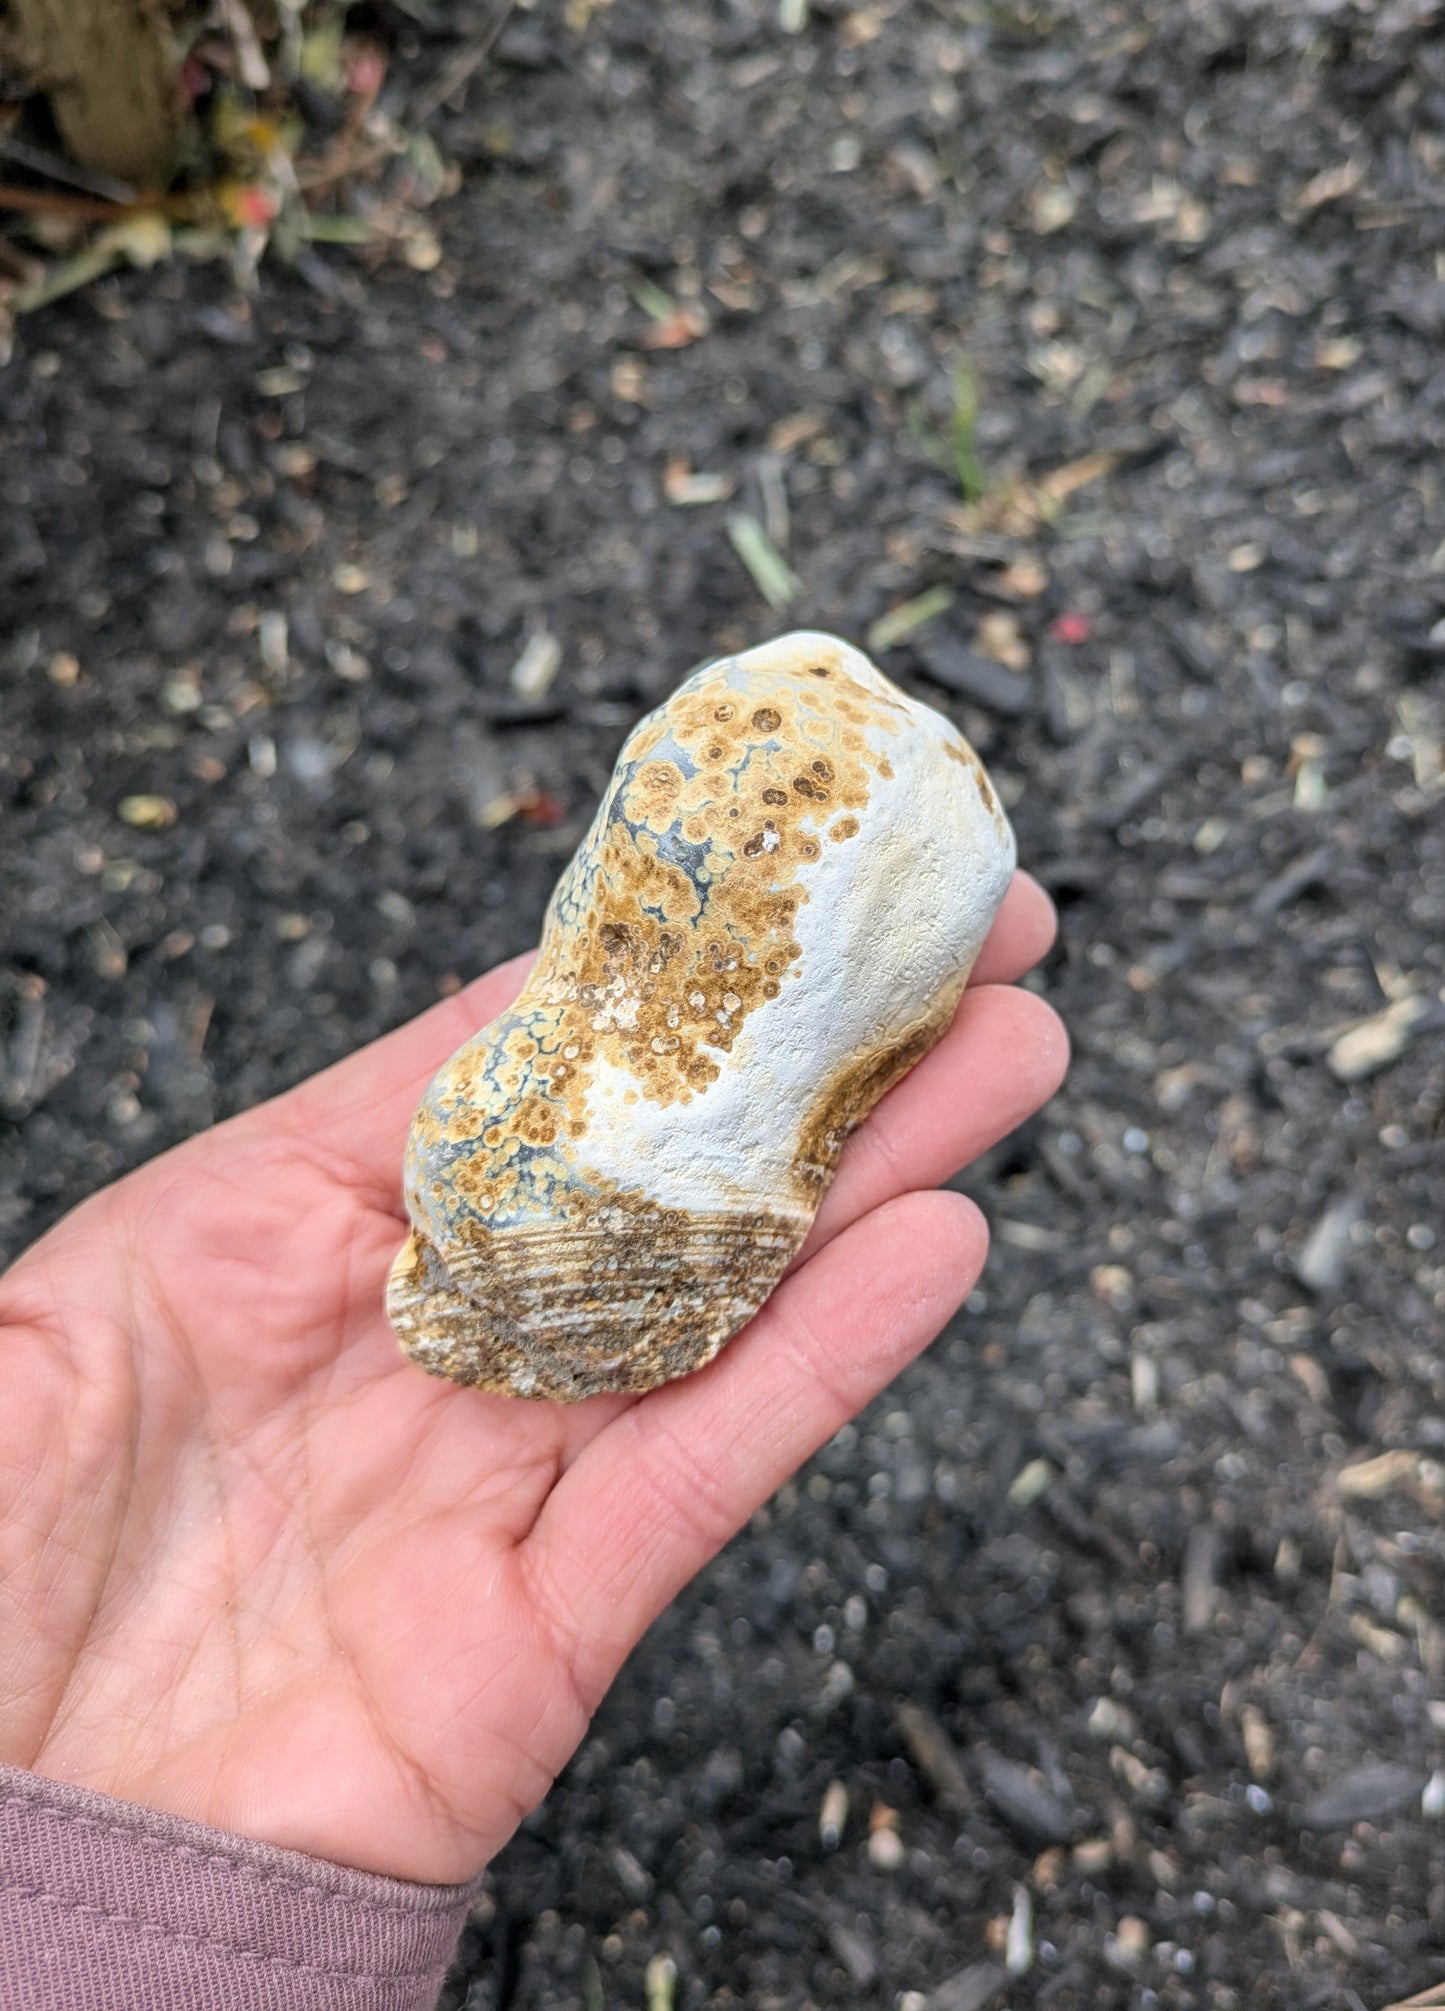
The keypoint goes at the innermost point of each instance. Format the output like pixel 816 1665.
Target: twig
pixel 57 169
pixel 91 209
pixel 455 72
pixel 50 202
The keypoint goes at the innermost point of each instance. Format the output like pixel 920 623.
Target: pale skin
pixel 258 1570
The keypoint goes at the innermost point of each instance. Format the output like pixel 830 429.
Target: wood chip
pixel 833 1815
pixel 1019 1944
pixel 1023 580
pixel 535 668
pixel 1382 1642
pixel 1371 1793
pixel 855 1952
pixel 1331 184
pixel 1372 1044
pixel 1030 1482
pixel 999 638
pixel 1027 1804
pixel 686 490
pixel 660 1981
pixel 685 324
pixel 1323 1261
pixel 627 381
pixel 885 1845
pixel 1052 206
pixel 795 431
pixel 1370 1479
pixel 958 668
pixel 971 1989
pixel 1258 1740
pixel 1286 887
pixel 934 1754
pixel 1199 1580
pixel 147 813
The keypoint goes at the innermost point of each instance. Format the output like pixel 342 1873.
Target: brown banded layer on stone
pixel 770 920
pixel 572 1310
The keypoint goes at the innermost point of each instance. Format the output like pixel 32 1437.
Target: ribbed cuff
pixel 107 1906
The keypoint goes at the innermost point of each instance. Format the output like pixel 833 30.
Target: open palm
pixel 258 1570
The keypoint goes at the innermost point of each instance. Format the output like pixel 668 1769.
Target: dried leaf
pixel 1018 508
pixel 1061 482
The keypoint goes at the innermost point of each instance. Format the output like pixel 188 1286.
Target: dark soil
pixel 1089 1620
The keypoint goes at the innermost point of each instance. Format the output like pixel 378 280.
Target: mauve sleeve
pixel 106 1906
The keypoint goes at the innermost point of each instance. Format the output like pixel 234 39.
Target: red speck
pixel 366 72
pixel 1071 628
pixel 256 208
pixel 195 80
pixel 542 810
pixel 684 325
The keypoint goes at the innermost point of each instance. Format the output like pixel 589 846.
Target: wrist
pixel 105 1901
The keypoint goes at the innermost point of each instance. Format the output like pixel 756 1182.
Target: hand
pixel 258 1570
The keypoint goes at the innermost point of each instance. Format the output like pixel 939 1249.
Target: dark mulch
pixel 1081 1618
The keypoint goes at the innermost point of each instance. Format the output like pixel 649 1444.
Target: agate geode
pixel 771 919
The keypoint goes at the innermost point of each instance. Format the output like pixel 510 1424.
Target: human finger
pixel 355 1114
pixel 657 1493
pixel 1001 1060
pixel 1022 931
